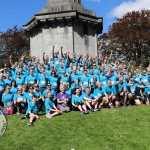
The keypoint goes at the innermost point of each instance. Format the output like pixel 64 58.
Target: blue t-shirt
pixel 21 98
pixel 132 89
pixel 76 99
pixel 33 107
pixel 98 92
pixel 30 79
pixel 74 77
pixel 52 91
pixel 69 92
pixel 41 80
pixel 54 82
pixel 8 97
pixel 85 81
pixel 48 105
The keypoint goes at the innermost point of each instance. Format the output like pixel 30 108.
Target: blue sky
pixel 17 12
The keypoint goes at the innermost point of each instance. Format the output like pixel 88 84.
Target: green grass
pixel 110 129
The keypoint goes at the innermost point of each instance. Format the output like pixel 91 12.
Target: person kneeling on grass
pixel 50 108
pixel 78 102
pixel 91 100
pixel 32 111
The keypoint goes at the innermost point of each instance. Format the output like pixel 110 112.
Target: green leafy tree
pixel 129 37
pixel 14 42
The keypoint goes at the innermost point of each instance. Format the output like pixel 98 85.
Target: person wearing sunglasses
pixel 133 92
pixel 19 80
pixel 20 101
pixel 7 99
pixel 29 94
pixel 30 79
pixel 7 80
pixel 13 86
pixel 84 81
pixel 53 80
pixel 48 89
pixel 42 80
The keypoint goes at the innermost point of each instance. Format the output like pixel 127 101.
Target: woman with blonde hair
pixel 62 100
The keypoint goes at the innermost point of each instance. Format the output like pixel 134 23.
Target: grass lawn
pixel 111 129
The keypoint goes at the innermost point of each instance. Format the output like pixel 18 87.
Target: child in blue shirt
pixel 32 110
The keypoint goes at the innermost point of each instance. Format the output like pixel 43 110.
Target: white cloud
pixel 129 6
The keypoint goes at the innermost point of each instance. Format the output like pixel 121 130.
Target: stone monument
pixel 64 23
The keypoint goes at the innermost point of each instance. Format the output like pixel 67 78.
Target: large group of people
pixel 70 82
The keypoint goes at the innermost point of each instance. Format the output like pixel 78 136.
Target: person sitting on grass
pixel 109 94
pixel 78 103
pixel 99 92
pixel 62 101
pixel 20 100
pixel 32 111
pixel 50 108
pixel 7 99
pixel 90 100
pixel 147 95
pixel 133 95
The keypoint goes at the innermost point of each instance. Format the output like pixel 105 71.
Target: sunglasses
pixel 48 85
pixel 131 80
pixel 19 90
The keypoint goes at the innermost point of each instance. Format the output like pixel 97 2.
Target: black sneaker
pixel 30 124
pixel 23 117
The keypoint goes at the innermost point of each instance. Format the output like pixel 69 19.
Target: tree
pixel 14 42
pixel 129 36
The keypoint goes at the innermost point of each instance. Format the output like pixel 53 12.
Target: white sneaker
pixel 18 113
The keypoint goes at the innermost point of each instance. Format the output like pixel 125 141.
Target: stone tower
pixel 64 23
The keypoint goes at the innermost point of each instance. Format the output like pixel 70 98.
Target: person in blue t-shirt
pixel 74 79
pixel 78 102
pixel 84 81
pixel 13 87
pixel 19 80
pixel 53 80
pixel 99 92
pixel 19 100
pixel 90 100
pixel 7 99
pixel 133 95
pixel 50 108
pixel 109 93
pixel 121 88
pixel 64 78
pixel 42 80
pixel 147 95
pixel 30 79
pixel 32 111
pixel 7 81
